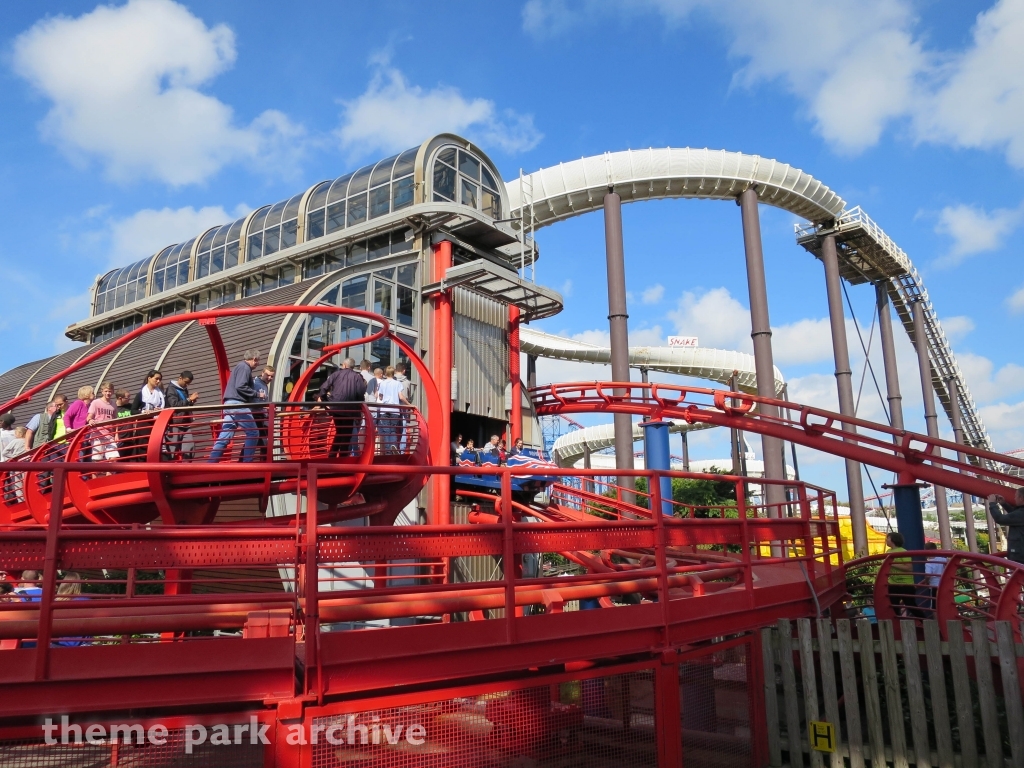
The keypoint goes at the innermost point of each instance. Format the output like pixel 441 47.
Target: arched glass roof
pixel 456 175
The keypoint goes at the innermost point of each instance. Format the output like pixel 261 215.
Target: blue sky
pixel 127 127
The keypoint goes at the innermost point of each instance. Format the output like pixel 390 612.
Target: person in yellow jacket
pixel 902 590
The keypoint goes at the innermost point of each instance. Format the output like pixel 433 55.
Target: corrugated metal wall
pixel 481 354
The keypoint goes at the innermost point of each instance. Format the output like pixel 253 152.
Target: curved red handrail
pixel 993 587
pixel 211 316
pixel 887 448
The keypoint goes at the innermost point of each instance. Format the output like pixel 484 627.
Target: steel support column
pixel 761 333
pixel 958 435
pixel 516 415
pixel 844 376
pixel 930 417
pixel 531 371
pixel 618 328
pixel 892 373
pixel 442 360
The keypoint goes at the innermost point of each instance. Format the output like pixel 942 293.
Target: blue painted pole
pixel 909 521
pixel 656 456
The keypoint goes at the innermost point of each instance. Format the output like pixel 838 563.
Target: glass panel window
pixel 488 178
pixel 379 246
pixel 357 253
pixel 403 358
pixel 406 162
pixel 470 193
pixel 491 203
pixel 382 172
pixel 319 333
pixel 401 240
pixel 351 330
pixel 318 198
pixel 447 155
pixel 353 292
pixel 289 233
pixel 313 267
pixel 444 182
pixel 335 217
pixel 231 255
pixel 255 247
pixel 331 297
pixel 380 352
pixel 339 189
pixel 356 210
pixel 271 240
pixel 469 165
pixel 315 225
pixel 405 305
pixel 259 220
pixel 287 275
pixel 297 343
pixel 401 193
pixel 360 181
pixel 380 201
pixel 386 274
pixel 407 275
pixel 382 293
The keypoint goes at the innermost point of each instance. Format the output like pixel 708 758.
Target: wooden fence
pixel 914 699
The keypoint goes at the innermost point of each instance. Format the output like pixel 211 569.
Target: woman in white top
pixel 390 392
pixel 150 397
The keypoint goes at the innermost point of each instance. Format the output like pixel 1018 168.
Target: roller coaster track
pixel 866 253
pixel 908 454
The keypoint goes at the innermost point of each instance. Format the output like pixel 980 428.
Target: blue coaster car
pixel 531 484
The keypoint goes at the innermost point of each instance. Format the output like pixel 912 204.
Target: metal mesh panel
pixel 35 754
pixel 597 723
pixel 715 709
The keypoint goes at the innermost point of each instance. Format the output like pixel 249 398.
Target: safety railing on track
pixel 911 455
pixel 959 586
pixel 116 584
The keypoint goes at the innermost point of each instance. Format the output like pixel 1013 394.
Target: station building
pixel 365 240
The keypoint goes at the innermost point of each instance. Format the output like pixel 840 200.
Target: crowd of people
pixel 242 397
pixel 495 448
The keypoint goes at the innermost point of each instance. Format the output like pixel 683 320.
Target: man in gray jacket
pixel 1012 516
pixel 238 393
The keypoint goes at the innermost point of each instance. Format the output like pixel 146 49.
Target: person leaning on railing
pixel 1012 516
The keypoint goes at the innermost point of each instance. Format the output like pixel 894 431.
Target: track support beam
pixel 761 333
pixel 844 376
pixel 619 330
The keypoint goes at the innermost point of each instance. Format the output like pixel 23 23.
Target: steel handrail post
pixel 45 629
pixel 508 555
pixel 741 508
pixel 312 591
pixel 661 550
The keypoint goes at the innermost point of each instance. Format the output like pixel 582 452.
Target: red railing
pixel 911 455
pixel 966 586
pixel 195 574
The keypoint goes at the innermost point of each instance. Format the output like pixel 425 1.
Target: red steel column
pixel 930 417
pixel 761 333
pixel 514 373
pixel 441 367
pixel 841 353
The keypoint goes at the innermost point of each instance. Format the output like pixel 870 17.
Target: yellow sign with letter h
pixel 823 737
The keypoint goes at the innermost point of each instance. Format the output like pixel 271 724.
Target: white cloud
pixel 1016 300
pixel 986 383
pixel 393 115
pixel 856 67
pixel 715 318
pixel 957 327
pixel 719 321
pixel 125 82
pixel 566 289
pixel 653 294
pixel 147 231
pixel 974 230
